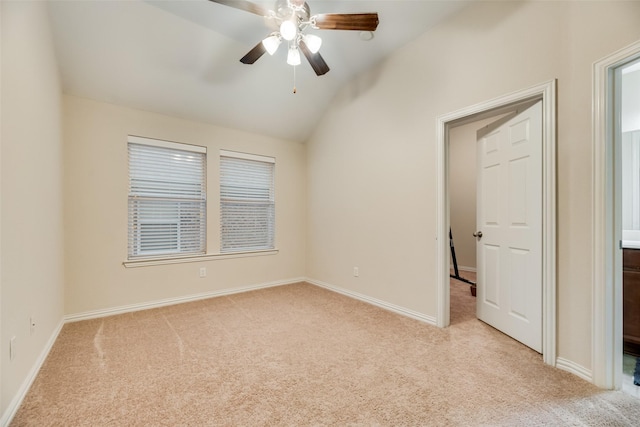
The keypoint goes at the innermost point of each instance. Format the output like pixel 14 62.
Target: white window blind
pixel 167 198
pixel 247 203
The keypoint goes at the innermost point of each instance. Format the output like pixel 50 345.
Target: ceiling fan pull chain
pixel 294 80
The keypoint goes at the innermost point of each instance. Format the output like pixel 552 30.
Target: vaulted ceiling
pixel 181 58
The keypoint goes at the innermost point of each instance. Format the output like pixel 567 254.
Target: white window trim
pixel 247 156
pixel 196 258
pixel 167 260
pixel 166 144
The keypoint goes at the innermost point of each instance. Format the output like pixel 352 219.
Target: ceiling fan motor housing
pixel 286 8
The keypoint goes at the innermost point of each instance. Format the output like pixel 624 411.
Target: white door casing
pixel 547 93
pixel 606 233
pixel 509 224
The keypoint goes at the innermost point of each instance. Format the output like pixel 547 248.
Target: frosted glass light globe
pixel 293 58
pixel 271 44
pixel 313 42
pixel 288 30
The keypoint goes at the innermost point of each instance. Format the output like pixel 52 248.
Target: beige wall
pixel 372 176
pixel 32 232
pixel 96 180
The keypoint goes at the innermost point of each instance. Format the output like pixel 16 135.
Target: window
pixel 247 206
pixel 167 198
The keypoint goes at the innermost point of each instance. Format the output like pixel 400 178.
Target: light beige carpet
pixel 299 355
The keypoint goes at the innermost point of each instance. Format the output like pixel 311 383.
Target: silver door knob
pixel 478 234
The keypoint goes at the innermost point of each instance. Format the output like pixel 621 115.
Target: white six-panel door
pixel 509 210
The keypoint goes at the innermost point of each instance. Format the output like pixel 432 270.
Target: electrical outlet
pixel 356 272
pixel 12 348
pixel 203 271
pixel 32 325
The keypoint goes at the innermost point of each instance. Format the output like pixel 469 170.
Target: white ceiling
pixel 181 58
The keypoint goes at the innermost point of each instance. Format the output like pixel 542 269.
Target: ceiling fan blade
pixel 245 5
pixel 254 54
pixel 315 59
pixel 346 21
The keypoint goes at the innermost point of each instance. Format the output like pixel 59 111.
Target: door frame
pixel 547 93
pixel 607 231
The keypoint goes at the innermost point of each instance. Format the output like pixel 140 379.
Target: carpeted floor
pixel 300 355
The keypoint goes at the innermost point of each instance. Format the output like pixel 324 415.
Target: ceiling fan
pixel 289 20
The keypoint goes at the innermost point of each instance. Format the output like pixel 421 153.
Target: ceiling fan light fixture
pixel 289 20
pixel 271 43
pixel 293 58
pixel 288 29
pixel 313 42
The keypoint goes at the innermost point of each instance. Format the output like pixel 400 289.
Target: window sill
pixel 196 258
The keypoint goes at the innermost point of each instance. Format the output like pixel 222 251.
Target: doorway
pixel 546 93
pixel 462 178
pixel 607 212
pixel 627 85
pixel 462 207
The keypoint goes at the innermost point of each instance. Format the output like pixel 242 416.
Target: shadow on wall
pixel 486 17
pixel 358 86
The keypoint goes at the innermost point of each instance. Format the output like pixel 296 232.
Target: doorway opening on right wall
pixel 611 141
pixel 627 86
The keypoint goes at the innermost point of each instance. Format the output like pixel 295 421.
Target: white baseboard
pixel 464 268
pixel 574 368
pixel 378 303
pixel 94 314
pixel 13 407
